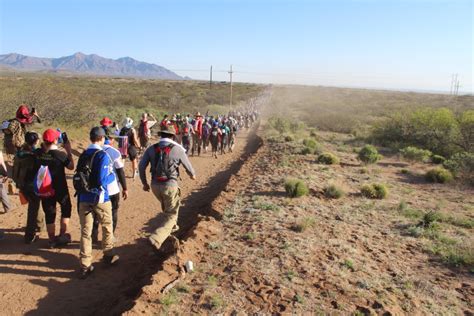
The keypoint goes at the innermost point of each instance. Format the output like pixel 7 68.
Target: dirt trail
pixel 36 280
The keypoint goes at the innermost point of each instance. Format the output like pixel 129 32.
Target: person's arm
pixel 142 168
pixel 183 158
pixel 70 159
pixel 135 138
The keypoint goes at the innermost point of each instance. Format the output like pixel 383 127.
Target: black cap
pixel 31 138
pixel 97 132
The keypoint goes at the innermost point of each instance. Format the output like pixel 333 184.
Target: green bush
pixel 437 159
pixel 461 165
pixel 416 154
pixel 289 138
pixel 309 142
pixel 369 154
pixel 328 159
pixel 374 191
pixel 439 175
pixel 439 130
pixel 307 151
pixel 333 192
pixel 296 188
pixel 280 124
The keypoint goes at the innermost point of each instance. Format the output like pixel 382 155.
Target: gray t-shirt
pixel 177 155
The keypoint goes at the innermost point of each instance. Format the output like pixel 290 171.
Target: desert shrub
pixel 280 124
pixel 374 191
pixel 289 138
pixel 461 165
pixel 312 133
pixel 303 224
pixel 439 175
pixel 307 151
pixel 369 154
pixel 328 159
pixel 309 142
pixel 296 188
pixel 439 130
pixel 333 192
pixel 415 154
pixel 437 159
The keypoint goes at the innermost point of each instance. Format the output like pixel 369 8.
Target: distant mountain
pixel 88 64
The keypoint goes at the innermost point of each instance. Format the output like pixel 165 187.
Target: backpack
pixel 82 176
pixel 22 165
pixel 43 183
pixel 215 132
pixel 14 136
pixel 164 169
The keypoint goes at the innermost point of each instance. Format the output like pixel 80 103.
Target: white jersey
pixel 113 188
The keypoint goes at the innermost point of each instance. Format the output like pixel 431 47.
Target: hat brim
pixel 167 133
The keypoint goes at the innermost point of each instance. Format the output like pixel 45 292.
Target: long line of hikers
pixel 38 171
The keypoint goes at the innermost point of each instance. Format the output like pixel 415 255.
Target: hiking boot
pixel 63 240
pixel 85 272
pixel 111 260
pixel 175 228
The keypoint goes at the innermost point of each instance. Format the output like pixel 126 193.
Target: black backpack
pixel 81 180
pixel 164 169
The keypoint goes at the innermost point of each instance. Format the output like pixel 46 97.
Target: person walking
pixel 133 143
pixel 24 176
pixel 113 188
pixel 50 165
pixel 165 157
pixel 93 175
pixel 197 134
pixel 144 130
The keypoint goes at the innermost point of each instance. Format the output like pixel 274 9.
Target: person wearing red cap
pixel 15 129
pixel 56 160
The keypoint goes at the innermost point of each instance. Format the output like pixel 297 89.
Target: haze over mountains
pixel 92 64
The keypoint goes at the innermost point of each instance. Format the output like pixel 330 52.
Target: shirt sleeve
pixel 62 157
pixel 144 162
pixel 183 158
pixel 150 124
pixel 105 175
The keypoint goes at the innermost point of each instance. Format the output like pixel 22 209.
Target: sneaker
pixel 111 260
pixel 63 240
pixel 53 243
pixel 30 239
pixel 85 272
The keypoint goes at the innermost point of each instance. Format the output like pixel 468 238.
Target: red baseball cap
pixel 50 135
pixel 106 122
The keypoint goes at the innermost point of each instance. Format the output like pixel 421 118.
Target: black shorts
pixel 49 206
pixel 132 153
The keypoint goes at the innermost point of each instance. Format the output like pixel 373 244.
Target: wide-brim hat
pixel 168 129
pixel 198 114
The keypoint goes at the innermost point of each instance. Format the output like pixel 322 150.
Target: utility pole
pixel 457 86
pixel 452 84
pixel 210 79
pixel 230 73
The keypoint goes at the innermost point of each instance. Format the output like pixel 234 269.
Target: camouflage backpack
pixel 14 136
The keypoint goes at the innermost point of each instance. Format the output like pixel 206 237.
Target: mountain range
pixel 92 64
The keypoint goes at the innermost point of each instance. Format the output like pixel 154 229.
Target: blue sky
pixel 401 44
